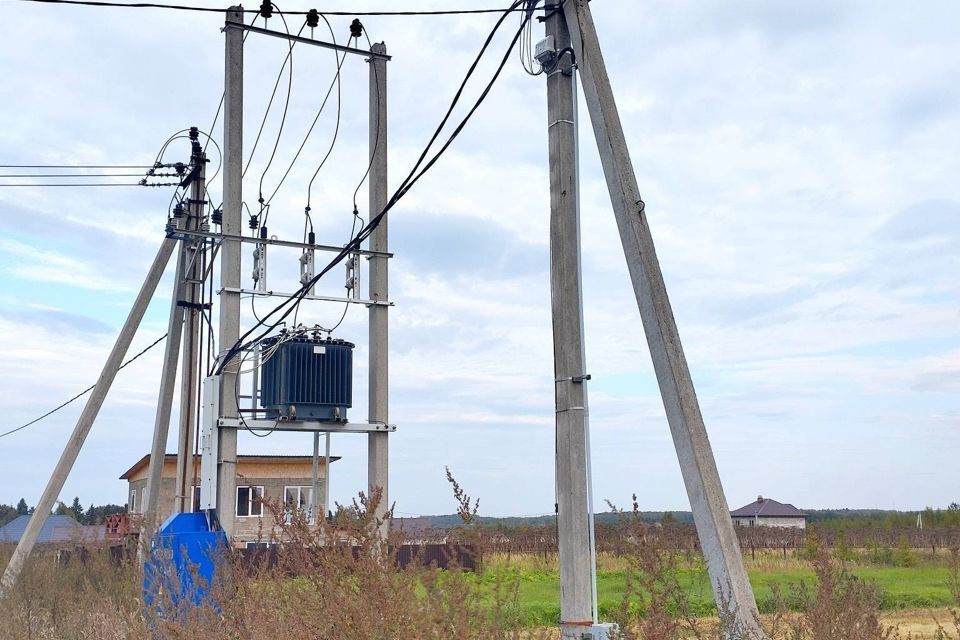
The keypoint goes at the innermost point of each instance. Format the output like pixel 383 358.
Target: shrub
pixel 904 556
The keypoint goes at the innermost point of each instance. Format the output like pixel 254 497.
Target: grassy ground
pixel 920 587
pixel 911 623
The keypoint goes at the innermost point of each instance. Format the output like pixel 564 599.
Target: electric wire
pixel 82 393
pixel 156 5
pixel 306 210
pixel 216 115
pixel 264 215
pixel 85 175
pixel 376 135
pixel 333 142
pixel 91 184
pixel 363 178
pixel 336 81
pixel 287 60
pixel 415 174
pixel 178 136
pixel 76 166
pixel 530 65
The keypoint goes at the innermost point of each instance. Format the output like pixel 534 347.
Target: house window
pixel 132 507
pixel 249 501
pixel 296 499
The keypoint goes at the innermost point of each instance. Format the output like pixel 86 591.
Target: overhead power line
pixel 82 393
pixel 76 166
pixel 85 175
pixel 180 7
pixel 89 184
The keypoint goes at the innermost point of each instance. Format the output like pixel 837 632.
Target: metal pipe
pixel 183 233
pixel 315 478
pixel 326 483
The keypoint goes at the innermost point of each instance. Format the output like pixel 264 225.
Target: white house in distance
pixel 765 512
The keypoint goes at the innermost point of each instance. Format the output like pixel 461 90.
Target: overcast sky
pixel 799 164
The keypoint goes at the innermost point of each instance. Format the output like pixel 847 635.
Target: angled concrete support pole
pixel 85 422
pixel 161 427
pixel 710 512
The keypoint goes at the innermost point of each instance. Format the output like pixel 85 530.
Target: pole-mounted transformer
pixel 307 378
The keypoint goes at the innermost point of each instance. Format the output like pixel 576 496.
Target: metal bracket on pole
pixel 281 294
pixel 261 424
pixel 218 238
pixel 300 39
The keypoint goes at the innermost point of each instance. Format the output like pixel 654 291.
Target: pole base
pixel 596 631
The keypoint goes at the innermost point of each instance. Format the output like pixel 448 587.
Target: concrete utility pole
pixel 193 284
pixel 577 607
pixel 230 266
pixel 377 443
pixel 161 426
pixel 710 512
pixel 89 414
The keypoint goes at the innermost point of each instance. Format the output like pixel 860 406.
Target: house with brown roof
pixel 765 512
pixel 260 479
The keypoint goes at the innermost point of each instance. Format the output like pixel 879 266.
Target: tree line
pixel 92 515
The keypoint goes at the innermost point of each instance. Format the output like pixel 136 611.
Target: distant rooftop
pixel 768 508
pixel 145 460
pixel 56 529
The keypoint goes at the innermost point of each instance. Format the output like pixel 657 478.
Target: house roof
pixel 172 457
pixel 768 508
pixel 55 529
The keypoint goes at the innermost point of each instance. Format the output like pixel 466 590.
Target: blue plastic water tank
pixel 307 378
pixel 180 573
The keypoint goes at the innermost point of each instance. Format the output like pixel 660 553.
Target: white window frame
pixel 132 507
pixel 302 489
pixel 258 545
pixel 251 503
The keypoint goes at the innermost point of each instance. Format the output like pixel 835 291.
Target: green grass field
pixel 919 587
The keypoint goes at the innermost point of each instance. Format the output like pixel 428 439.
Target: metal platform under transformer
pixel 259 424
